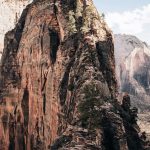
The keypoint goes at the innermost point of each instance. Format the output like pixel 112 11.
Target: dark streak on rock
pixel 54 44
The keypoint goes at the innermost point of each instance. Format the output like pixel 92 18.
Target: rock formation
pixel 57 82
pixel 133 71
pixel 133 61
pixel 10 11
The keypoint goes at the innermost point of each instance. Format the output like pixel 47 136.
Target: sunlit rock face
pixel 133 74
pixel 57 82
pixel 133 68
pixel 10 11
pixel 59 53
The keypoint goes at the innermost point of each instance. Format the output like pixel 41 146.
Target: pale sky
pixel 127 17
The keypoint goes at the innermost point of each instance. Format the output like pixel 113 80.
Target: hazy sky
pixel 129 16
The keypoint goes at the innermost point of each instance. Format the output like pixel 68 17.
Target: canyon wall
pixel 132 68
pixel 10 11
pixel 133 74
pixel 57 82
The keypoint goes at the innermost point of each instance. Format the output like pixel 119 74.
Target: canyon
pixel 133 73
pixel 132 68
pixel 58 88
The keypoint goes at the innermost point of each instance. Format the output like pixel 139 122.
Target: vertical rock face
pixel 10 11
pixel 134 73
pixel 58 86
pixel 133 60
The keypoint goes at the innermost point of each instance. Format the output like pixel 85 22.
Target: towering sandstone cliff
pixel 57 82
pixel 10 11
pixel 133 74
pixel 132 65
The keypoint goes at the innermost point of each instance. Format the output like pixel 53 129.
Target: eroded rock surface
pixel 132 68
pixel 133 74
pixel 58 86
pixel 10 11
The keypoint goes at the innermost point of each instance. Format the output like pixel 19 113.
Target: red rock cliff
pixel 57 87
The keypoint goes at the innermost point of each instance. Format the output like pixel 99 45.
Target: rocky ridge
pixel 57 83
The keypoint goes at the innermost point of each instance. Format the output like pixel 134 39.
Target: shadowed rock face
pixel 57 82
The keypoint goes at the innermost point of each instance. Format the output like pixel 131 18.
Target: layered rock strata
pixel 132 68
pixel 10 11
pixel 133 74
pixel 57 82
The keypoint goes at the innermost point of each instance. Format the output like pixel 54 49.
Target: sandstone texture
pixel 10 11
pixel 133 74
pixel 132 68
pixel 57 83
